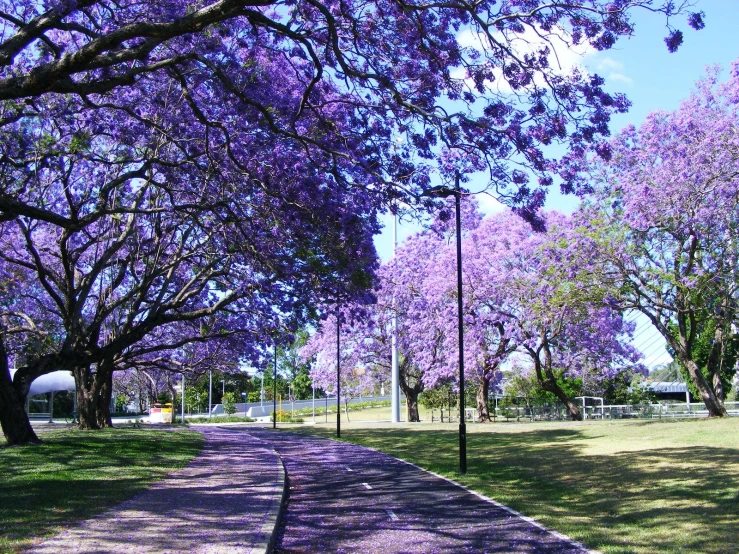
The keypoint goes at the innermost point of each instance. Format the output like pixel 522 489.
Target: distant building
pixel 669 390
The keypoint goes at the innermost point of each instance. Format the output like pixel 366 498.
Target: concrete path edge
pixel 272 521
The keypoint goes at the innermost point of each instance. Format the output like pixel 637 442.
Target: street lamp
pixel 445 192
pixel 274 393
pixel 338 372
pixel 243 397
pixel 261 394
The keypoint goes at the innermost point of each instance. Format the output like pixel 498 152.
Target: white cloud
pixel 608 64
pixel 620 78
pixel 611 69
pixel 563 57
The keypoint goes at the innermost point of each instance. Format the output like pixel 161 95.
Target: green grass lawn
pixel 76 474
pixel 381 413
pixel 619 487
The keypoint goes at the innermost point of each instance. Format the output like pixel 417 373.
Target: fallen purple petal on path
pixel 224 501
pixel 330 510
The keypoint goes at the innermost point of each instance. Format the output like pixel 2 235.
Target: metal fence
pixel 560 413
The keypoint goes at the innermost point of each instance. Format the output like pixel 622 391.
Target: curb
pixel 269 528
pixel 481 496
pixel 503 507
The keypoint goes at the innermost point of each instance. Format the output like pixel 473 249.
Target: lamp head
pixel 439 191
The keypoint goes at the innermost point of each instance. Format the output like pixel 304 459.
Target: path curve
pixel 226 500
pixel 346 498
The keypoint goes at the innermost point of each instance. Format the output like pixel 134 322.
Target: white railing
pixel 613 411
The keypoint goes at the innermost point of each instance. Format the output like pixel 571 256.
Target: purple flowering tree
pixel 256 138
pixel 119 253
pixel 563 314
pixel 358 374
pixel 423 360
pixel 475 85
pixel 664 224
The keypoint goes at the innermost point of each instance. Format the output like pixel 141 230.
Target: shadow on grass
pixel 76 474
pixel 661 499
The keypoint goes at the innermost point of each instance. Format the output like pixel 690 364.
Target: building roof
pixel 666 386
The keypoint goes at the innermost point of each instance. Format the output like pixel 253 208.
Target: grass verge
pixel 620 487
pixel 75 474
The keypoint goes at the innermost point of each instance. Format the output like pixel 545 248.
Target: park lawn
pixel 381 413
pixel 619 487
pixel 76 474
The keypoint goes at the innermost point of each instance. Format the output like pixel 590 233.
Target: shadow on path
pixel 347 498
pixel 224 501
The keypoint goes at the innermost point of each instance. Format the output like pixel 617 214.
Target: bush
pixel 220 419
pixel 229 403
pixel 285 417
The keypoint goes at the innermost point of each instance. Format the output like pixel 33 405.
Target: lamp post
pixel 338 372
pixel 210 394
pixel 395 371
pixel 183 399
pixel 243 397
pixel 261 394
pixel 274 393
pixel 444 192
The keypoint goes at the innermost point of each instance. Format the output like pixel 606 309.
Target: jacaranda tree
pixel 123 119
pixel 665 224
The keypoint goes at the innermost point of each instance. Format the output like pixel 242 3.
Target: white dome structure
pixel 51 382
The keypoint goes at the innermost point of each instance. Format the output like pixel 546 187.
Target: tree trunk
pixel 714 362
pixel 411 400
pixel 681 346
pixel 483 411
pixel 87 397
pixel 710 399
pixel 104 383
pixel 411 392
pixel 547 379
pixel 16 426
pixel 173 396
pixel 551 385
pixel 13 417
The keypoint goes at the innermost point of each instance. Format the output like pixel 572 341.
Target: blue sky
pixel 653 79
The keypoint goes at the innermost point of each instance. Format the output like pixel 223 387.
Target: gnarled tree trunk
pixel 412 405
pixel 483 411
pixel 712 398
pixel 547 379
pixel 13 417
pixel 102 409
pixel 713 403
pixel 411 392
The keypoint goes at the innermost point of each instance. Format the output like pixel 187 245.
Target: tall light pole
pixel 444 192
pixel 274 393
pixel 338 372
pixel 395 373
pixel 210 393
pixel 183 399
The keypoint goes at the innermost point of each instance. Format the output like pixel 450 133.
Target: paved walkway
pixel 349 499
pixel 227 500
pixel 342 498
